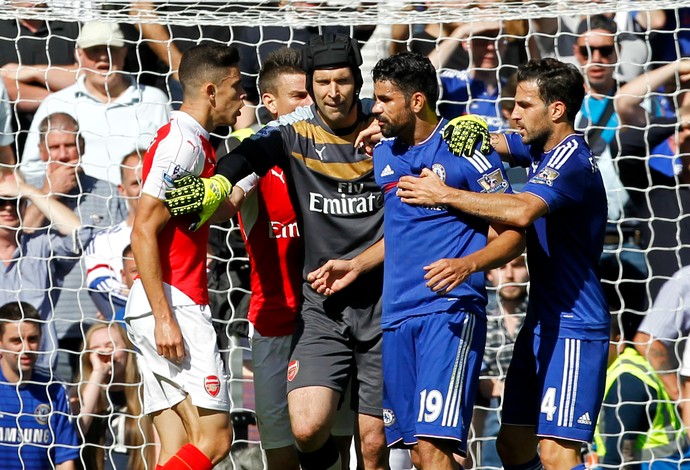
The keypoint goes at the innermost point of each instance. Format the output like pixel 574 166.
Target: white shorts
pixel 200 375
pixel 270 357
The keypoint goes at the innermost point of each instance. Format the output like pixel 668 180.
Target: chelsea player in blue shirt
pixel 434 298
pixel 556 379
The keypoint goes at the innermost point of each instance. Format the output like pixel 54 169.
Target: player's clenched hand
pixel 426 190
pixel 463 133
pixel 192 194
pixel 446 274
pixel 169 340
pixel 333 276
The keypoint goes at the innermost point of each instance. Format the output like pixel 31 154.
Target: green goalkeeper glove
pixel 463 133
pixel 197 195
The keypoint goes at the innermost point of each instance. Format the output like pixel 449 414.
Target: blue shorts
pixel 556 385
pixel 430 374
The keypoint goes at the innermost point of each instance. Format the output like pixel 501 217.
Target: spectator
pixel 476 90
pixel 115 113
pixel 35 263
pixel 639 427
pixel 659 338
pixel 424 39
pixel 108 403
pixel 661 201
pixel 96 204
pixel 103 261
pixel 34 416
pixel 652 95
pixel 563 33
pixel 504 322
pixel 36 59
pixel 670 39
pixel 6 135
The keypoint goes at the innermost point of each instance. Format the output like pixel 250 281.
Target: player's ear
pixel 417 102
pixel 210 90
pixel 270 102
pixel 557 110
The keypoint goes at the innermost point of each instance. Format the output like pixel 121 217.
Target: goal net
pixel 643 157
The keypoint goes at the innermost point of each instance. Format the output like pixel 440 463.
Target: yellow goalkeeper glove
pixel 463 133
pixel 192 194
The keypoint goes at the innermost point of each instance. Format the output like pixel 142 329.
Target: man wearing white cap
pixel 115 114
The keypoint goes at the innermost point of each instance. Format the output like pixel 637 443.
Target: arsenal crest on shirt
pixel 212 385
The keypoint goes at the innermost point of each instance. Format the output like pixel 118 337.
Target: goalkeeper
pixel 555 383
pixel 339 207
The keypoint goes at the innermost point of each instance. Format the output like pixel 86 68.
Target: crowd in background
pixel 80 103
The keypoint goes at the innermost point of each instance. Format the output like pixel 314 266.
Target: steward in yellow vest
pixel 639 426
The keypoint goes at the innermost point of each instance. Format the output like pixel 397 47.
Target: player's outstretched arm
pixel 152 216
pixel 336 274
pixel 446 274
pixel 194 195
pixel 517 210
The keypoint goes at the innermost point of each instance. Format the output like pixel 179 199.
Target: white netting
pixel 338 12
pixel 637 241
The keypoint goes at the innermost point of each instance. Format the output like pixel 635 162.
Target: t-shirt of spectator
pixel 110 130
pixel 669 317
pixel 36 274
pixel 36 432
pixel 462 94
pixel 103 263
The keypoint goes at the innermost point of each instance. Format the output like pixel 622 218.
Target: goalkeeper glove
pixel 202 196
pixel 463 133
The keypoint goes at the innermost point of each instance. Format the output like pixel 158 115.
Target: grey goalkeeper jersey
pixel 339 205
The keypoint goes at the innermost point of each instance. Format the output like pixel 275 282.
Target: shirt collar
pixel 131 95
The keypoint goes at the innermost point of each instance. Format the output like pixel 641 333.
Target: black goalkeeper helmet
pixel 332 51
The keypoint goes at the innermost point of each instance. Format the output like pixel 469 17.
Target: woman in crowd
pixel 107 401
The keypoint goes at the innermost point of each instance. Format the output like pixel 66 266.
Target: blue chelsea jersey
pixel 564 246
pixel 417 236
pixel 36 432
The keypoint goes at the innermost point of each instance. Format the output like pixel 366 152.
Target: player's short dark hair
pixel 411 73
pixel 206 63
pixel 556 81
pixel 16 311
pixel 283 61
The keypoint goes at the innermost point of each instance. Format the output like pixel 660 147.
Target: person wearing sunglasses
pixel 34 263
